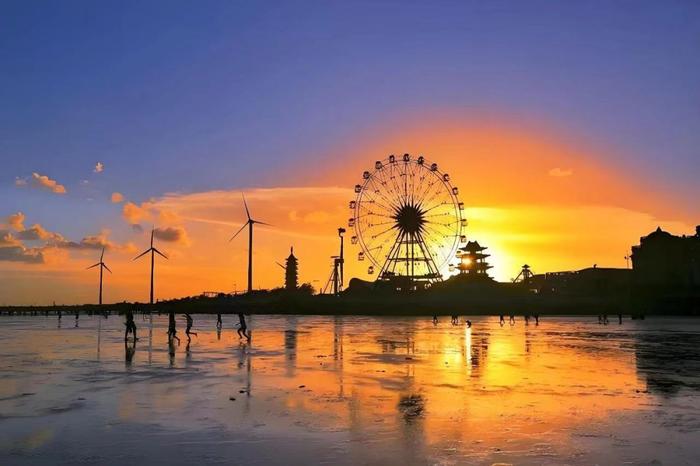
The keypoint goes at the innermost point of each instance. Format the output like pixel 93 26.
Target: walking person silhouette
pixel 243 329
pixel 188 330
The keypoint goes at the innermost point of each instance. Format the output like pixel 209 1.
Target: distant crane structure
pixel 333 282
pixel 153 252
pixel 102 267
pixel 525 275
pixel 249 223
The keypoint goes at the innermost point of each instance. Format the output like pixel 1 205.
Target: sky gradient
pixel 571 130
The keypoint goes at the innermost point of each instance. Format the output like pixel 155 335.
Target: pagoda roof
pixel 472 246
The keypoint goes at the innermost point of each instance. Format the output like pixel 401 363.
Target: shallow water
pixel 351 390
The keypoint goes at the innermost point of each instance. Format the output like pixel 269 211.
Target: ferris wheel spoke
pixel 379 191
pixel 374 201
pixel 396 189
pixel 370 213
pixel 391 222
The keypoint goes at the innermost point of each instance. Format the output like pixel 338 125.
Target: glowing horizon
pixel 559 224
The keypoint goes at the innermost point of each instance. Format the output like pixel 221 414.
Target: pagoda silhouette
pixel 291 271
pixel 472 260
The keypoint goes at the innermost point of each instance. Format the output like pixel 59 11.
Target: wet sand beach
pixel 350 390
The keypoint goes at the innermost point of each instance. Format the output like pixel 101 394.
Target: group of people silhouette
pixel 603 319
pixel 454 320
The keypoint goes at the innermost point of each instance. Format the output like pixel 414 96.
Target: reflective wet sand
pixel 351 390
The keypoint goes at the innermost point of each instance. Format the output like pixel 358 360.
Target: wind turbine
pixel 153 252
pixel 102 265
pixel 249 224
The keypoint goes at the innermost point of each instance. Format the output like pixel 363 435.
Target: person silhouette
pixel 172 329
pixel 469 324
pixel 130 325
pixel 77 316
pixel 188 330
pixel 511 319
pixel 219 323
pixel 619 319
pixel 242 329
pixel 501 320
pixel 435 319
pixel 537 319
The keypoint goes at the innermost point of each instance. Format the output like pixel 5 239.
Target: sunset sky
pixel 571 129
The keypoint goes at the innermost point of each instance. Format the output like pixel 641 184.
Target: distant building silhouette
pixel 592 281
pixel 291 271
pixel 666 269
pixel 472 260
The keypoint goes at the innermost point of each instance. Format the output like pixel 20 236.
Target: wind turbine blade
pixel 105 266
pixel 247 212
pixel 263 223
pixel 152 231
pixel 285 268
pixel 103 254
pixel 158 252
pixel 93 266
pixel 142 254
pixel 244 225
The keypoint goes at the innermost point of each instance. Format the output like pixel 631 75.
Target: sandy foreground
pixel 350 390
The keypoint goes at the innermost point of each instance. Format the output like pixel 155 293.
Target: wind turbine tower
pixel 249 224
pixel 102 266
pixel 153 252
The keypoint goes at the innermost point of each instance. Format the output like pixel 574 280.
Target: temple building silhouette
pixel 472 260
pixel 291 271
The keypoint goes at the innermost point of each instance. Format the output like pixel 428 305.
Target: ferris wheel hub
pixel 410 219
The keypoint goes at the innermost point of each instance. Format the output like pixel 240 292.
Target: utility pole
pixel 341 259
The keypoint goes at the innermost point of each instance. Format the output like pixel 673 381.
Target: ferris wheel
pixel 407 220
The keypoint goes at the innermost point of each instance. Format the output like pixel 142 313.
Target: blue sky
pixel 189 96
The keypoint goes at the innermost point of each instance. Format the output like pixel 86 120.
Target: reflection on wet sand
pixel 378 390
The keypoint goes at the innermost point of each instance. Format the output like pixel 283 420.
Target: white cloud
pixel 99 167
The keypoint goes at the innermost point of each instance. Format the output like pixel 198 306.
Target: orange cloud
pixel 117 198
pixel 16 221
pixel 135 214
pixel 36 232
pixel 43 181
pixel 172 235
pixel 560 172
